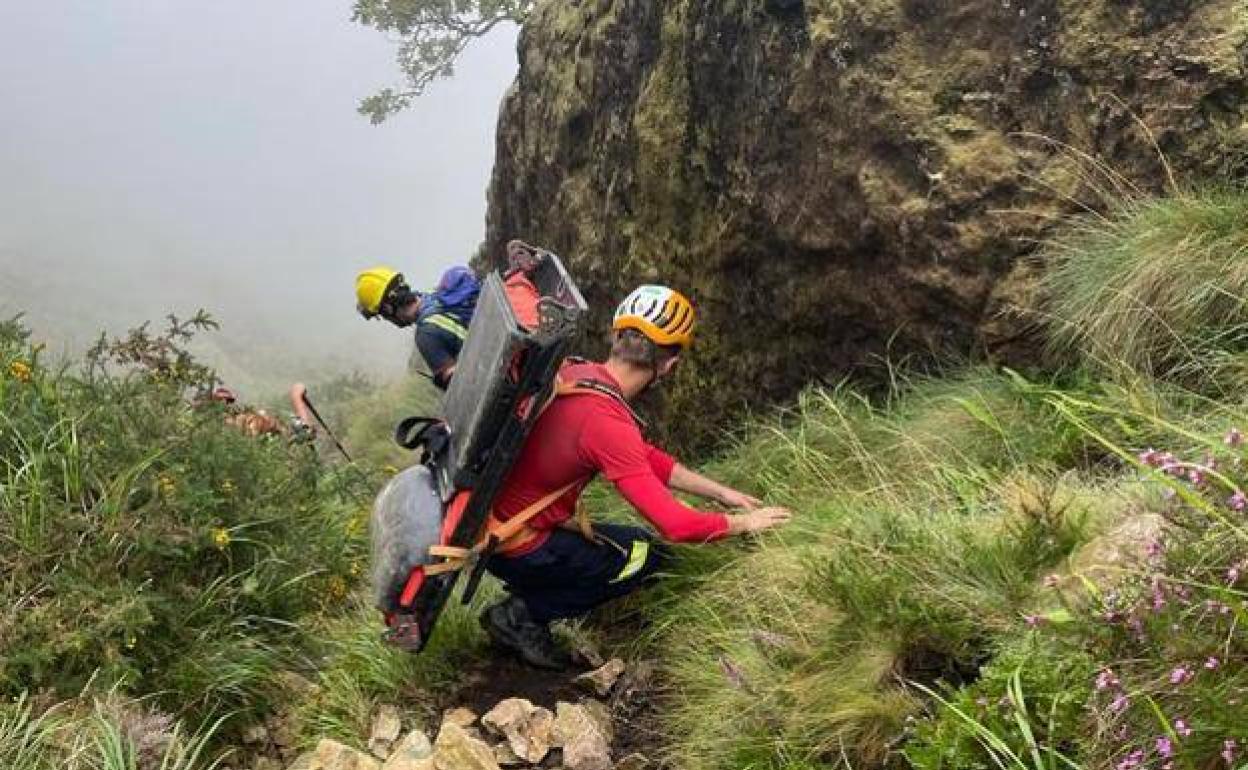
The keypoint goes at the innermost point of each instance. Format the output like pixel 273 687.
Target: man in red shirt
pixel 550 569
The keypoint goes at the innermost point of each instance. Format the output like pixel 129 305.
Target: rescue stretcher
pixel 520 333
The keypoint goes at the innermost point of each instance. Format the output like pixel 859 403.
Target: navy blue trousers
pixel 568 575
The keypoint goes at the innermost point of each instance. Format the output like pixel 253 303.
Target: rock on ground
pixel 1107 558
pixel 526 728
pixel 584 732
pixel 633 762
pixel 387 726
pixel 457 749
pixel 464 717
pixel 332 755
pixel 414 752
pixel 601 680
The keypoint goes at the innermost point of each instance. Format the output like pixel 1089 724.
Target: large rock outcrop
pixel 838 181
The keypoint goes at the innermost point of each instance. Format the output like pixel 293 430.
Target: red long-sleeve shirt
pixel 582 434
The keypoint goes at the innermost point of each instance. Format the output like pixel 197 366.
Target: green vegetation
pixel 990 571
pixel 431 36
pixel 150 546
pixel 364 416
pixel 1159 286
pixel 107 734
pixel 985 570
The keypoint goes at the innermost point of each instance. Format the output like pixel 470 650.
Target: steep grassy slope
pixel 985 570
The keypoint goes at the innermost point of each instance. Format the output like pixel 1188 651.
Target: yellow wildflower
pixel 227 488
pixel 20 371
pixel 355 569
pixel 168 485
pixel 220 538
pixel 337 588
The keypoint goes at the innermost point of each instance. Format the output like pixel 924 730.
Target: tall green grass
pixel 150 547
pixel 105 734
pixel 921 529
pixel 1157 286
pixel 940 600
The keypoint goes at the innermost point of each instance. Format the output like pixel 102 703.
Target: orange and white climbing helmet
pixel 663 315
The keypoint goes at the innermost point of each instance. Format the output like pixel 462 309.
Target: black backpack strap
pixel 429 434
pixel 608 390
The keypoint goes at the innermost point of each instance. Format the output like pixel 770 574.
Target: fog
pixel 166 155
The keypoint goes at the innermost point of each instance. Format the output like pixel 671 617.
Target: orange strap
pixel 456 557
pixel 518 525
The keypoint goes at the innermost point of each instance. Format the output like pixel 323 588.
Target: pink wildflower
pixel 1154 549
pixel 1132 760
pixel 1052 581
pixel 1212 663
pixel 1033 620
pixel 1119 704
pixel 1228 750
pixel 1164 747
pixel 1232 575
pixel 1150 457
pixel 1180 727
pixel 1233 437
pixel 1181 675
pixel 1238 501
pixel 1196 476
pixel 1106 680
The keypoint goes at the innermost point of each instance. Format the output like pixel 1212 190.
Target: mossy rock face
pixel 837 182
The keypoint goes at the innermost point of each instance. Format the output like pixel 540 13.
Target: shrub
pixel 149 545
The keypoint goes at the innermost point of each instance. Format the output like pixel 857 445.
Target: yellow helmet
pixel 374 286
pixel 663 315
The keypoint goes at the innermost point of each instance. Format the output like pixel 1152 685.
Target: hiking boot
pixel 510 625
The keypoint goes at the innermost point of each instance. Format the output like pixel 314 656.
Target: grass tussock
pixel 1158 286
pixel 105 733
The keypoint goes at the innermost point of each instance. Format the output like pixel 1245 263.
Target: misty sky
pixel 166 154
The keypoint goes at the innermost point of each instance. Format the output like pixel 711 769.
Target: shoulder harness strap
pixel 595 388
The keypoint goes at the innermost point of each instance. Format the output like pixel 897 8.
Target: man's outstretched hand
pixel 731 498
pixel 758 520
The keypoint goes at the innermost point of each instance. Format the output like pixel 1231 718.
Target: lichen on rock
pixel 833 181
